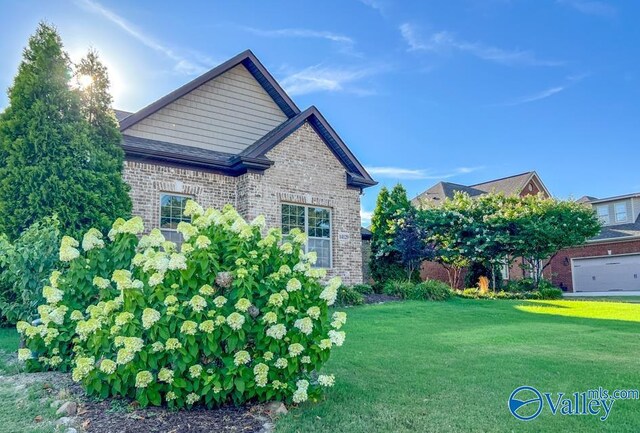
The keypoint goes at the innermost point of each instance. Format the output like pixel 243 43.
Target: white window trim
pixel 626 213
pixel 306 228
pixel 504 270
pixel 162 193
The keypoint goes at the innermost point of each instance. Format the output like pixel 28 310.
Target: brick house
pixel 523 184
pixel 234 136
pixel 610 262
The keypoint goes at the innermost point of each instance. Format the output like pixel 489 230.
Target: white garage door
pixel 609 273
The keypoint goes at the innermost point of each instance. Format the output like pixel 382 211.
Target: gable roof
pixel 253 157
pixel 246 58
pixel 443 190
pixel 510 185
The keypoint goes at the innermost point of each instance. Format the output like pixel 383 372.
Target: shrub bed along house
pixel 234 316
pixel 429 290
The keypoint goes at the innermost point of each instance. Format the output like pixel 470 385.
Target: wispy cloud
pixel 195 64
pixel 546 93
pixel 442 42
pixel 537 96
pixel 365 216
pixel 418 174
pixel 320 78
pixel 591 7
pixel 345 43
pixel 374 4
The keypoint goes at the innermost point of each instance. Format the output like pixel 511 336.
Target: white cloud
pixel 591 7
pixel 442 42
pixel 417 174
pixel 320 78
pixel 365 216
pixel 182 64
pixel 374 4
pixel 345 43
pixel 540 95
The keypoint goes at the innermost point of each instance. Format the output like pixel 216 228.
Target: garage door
pixel 609 273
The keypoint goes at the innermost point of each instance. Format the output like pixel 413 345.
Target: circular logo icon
pixel 525 403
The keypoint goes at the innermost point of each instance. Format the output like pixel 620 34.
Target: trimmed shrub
pixel 364 289
pixel 430 290
pixel 347 296
pixel 550 293
pixel 234 316
pixel 25 265
pixel 398 288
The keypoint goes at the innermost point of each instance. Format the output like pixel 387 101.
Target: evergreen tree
pixel 386 261
pixel 52 159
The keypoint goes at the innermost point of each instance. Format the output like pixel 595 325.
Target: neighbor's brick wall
pixel 305 171
pixel 148 181
pixel 366 257
pixel 561 272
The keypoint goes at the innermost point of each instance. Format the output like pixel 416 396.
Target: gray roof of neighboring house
pixel 443 190
pixel 508 185
pixel 253 157
pixel 365 233
pixel 618 231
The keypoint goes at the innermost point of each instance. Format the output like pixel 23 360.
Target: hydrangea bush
pixel 233 316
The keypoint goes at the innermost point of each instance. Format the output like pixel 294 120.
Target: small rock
pixel 38 418
pixel 68 408
pixel 71 430
pixel 276 408
pixel 65 420
pixel 55 404
pixel 267 427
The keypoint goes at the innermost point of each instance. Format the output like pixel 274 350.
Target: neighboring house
pixel 234 136
pixel 523 184
pixel 610 262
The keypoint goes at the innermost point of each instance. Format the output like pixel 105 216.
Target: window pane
pixel 322 247
pixel 621 212
pixel 172 212
pixel 319 223
pixel 292 217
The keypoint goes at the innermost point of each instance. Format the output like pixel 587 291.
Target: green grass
pixel 451 366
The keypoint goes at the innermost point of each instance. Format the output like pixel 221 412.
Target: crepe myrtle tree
pixel 545 226
pixel 465 230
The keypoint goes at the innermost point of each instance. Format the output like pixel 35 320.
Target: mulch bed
pixel 379 298
pixel 123 416
pixel 101 417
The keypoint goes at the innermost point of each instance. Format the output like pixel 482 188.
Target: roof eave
pixel 231 167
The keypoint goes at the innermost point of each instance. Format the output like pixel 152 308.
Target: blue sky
pixel 463 91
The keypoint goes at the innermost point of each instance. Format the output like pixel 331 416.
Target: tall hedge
pixel 52 159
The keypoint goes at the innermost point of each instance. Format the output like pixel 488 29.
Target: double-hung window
pixel 603 213
pixel 316 223
pixel 171 214
pixel 621 212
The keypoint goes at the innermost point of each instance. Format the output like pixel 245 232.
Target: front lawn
pixel 450 367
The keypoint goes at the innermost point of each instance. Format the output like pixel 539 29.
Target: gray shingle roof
pixel 121 114
pixel 442 190
pixel 508 185
pixel 619 231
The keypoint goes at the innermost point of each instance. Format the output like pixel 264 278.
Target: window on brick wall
pixel 171 214
pixel 316 223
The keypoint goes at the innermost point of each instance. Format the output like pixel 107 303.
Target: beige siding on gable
pixel 226 114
